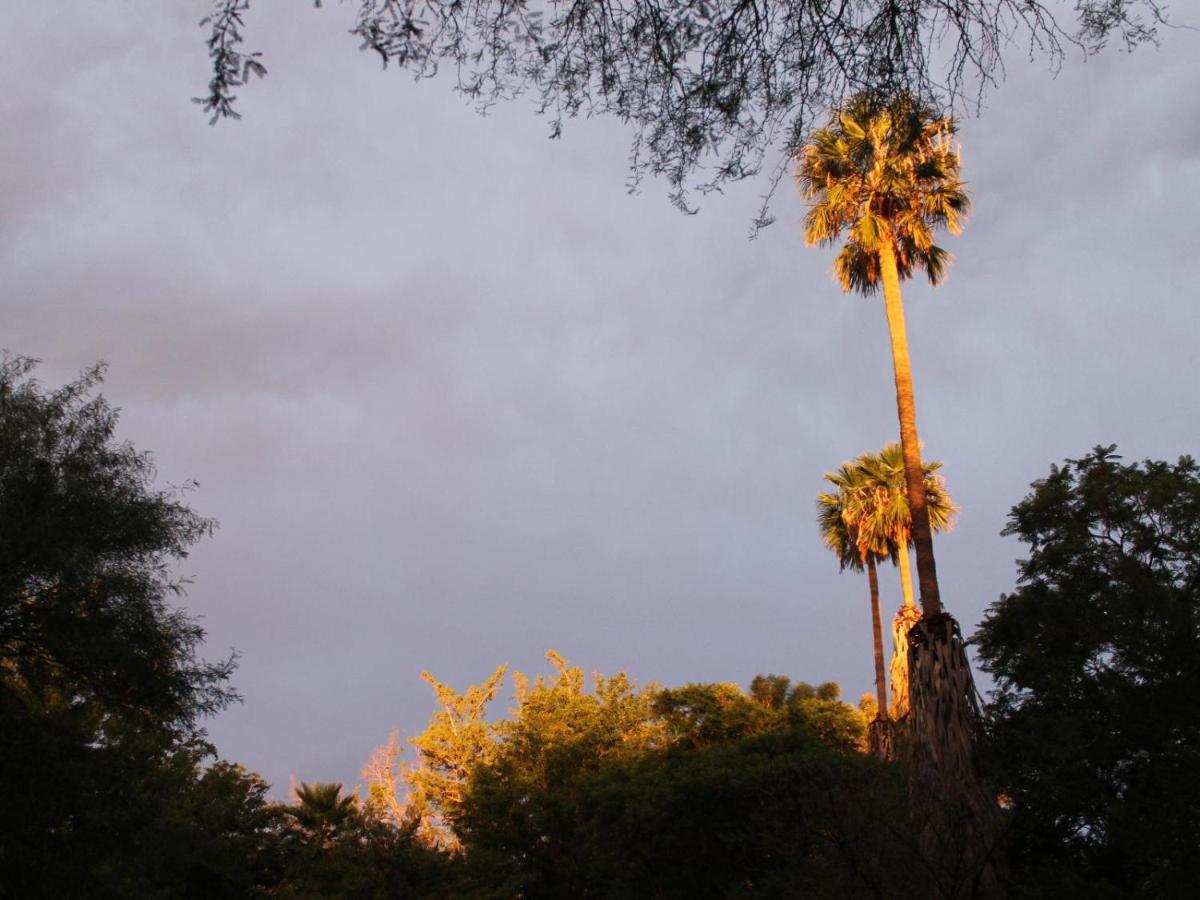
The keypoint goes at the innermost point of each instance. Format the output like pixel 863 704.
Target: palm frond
pixel 857 270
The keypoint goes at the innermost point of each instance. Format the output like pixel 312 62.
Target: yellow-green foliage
pixel 563 727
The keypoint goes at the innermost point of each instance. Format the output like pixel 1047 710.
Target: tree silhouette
pixel 102 690
pixel 321 808
pixel 1095 720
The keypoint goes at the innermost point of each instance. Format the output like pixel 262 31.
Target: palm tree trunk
pixel 922 536
pixel 901 680
pixel 957 820
pixel 905 572
pixel 877 628
pixel 881 739
pixel 906 617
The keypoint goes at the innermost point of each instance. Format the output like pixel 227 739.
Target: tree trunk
pixel 906 617
pixel 958 825
pixel 877 628
pixel 957 822
pixel 905 573
pixel 910 444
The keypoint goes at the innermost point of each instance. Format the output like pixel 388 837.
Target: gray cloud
pixel 456 398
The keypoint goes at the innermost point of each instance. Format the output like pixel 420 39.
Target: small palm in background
pixel 854 536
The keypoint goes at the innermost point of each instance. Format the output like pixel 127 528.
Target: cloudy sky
pixel 456 398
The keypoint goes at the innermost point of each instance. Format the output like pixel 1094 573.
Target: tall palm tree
pixel 883 479
pixel 886 172
pixel 858 545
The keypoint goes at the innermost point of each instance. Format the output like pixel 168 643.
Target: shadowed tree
pixel 848 529
pixel 321 807
pixel 1095 719
pixel 102 689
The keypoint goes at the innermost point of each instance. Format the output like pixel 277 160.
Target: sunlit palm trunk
pixel 931 603
pixel 900 677
pixel 906 617
pixel 905 572
pixel 877 628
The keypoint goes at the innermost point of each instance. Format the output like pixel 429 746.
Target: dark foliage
pixel 330 848
pixel 101 691
pixel 1096 717
pixel 708 87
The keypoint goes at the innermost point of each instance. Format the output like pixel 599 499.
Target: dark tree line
pixel 709 88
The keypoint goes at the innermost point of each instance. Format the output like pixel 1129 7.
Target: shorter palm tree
pixel 849 532
pixel 883 487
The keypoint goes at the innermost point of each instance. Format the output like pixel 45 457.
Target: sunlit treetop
pixel 709 88
pixel 883 170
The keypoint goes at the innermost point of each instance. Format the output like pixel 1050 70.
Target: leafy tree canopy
pixel 101 690
pixel 86 549
pixel 708 87
pixel 608 789
pixel 1096 716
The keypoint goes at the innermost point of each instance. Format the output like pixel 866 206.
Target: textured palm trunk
pixel 877 629
pixel 957 822
pixel 906 618
pixel 910 444
pixel 881 738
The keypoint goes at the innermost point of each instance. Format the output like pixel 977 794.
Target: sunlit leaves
pixel 882 172
pixel 868 514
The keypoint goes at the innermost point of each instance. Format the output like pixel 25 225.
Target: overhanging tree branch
pixel 708 87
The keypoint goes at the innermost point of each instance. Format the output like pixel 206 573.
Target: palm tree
pixel 321 807
pixel 886 171
pixel 884 480
pixel 848 530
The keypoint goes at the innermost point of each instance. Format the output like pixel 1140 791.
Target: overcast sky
pixel 456 398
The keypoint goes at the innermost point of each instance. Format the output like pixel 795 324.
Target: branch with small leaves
pixel 709 88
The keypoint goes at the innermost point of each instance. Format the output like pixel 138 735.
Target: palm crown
pixel 851 536
pixel 884 171
pixel 869 515
pixel 881 497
